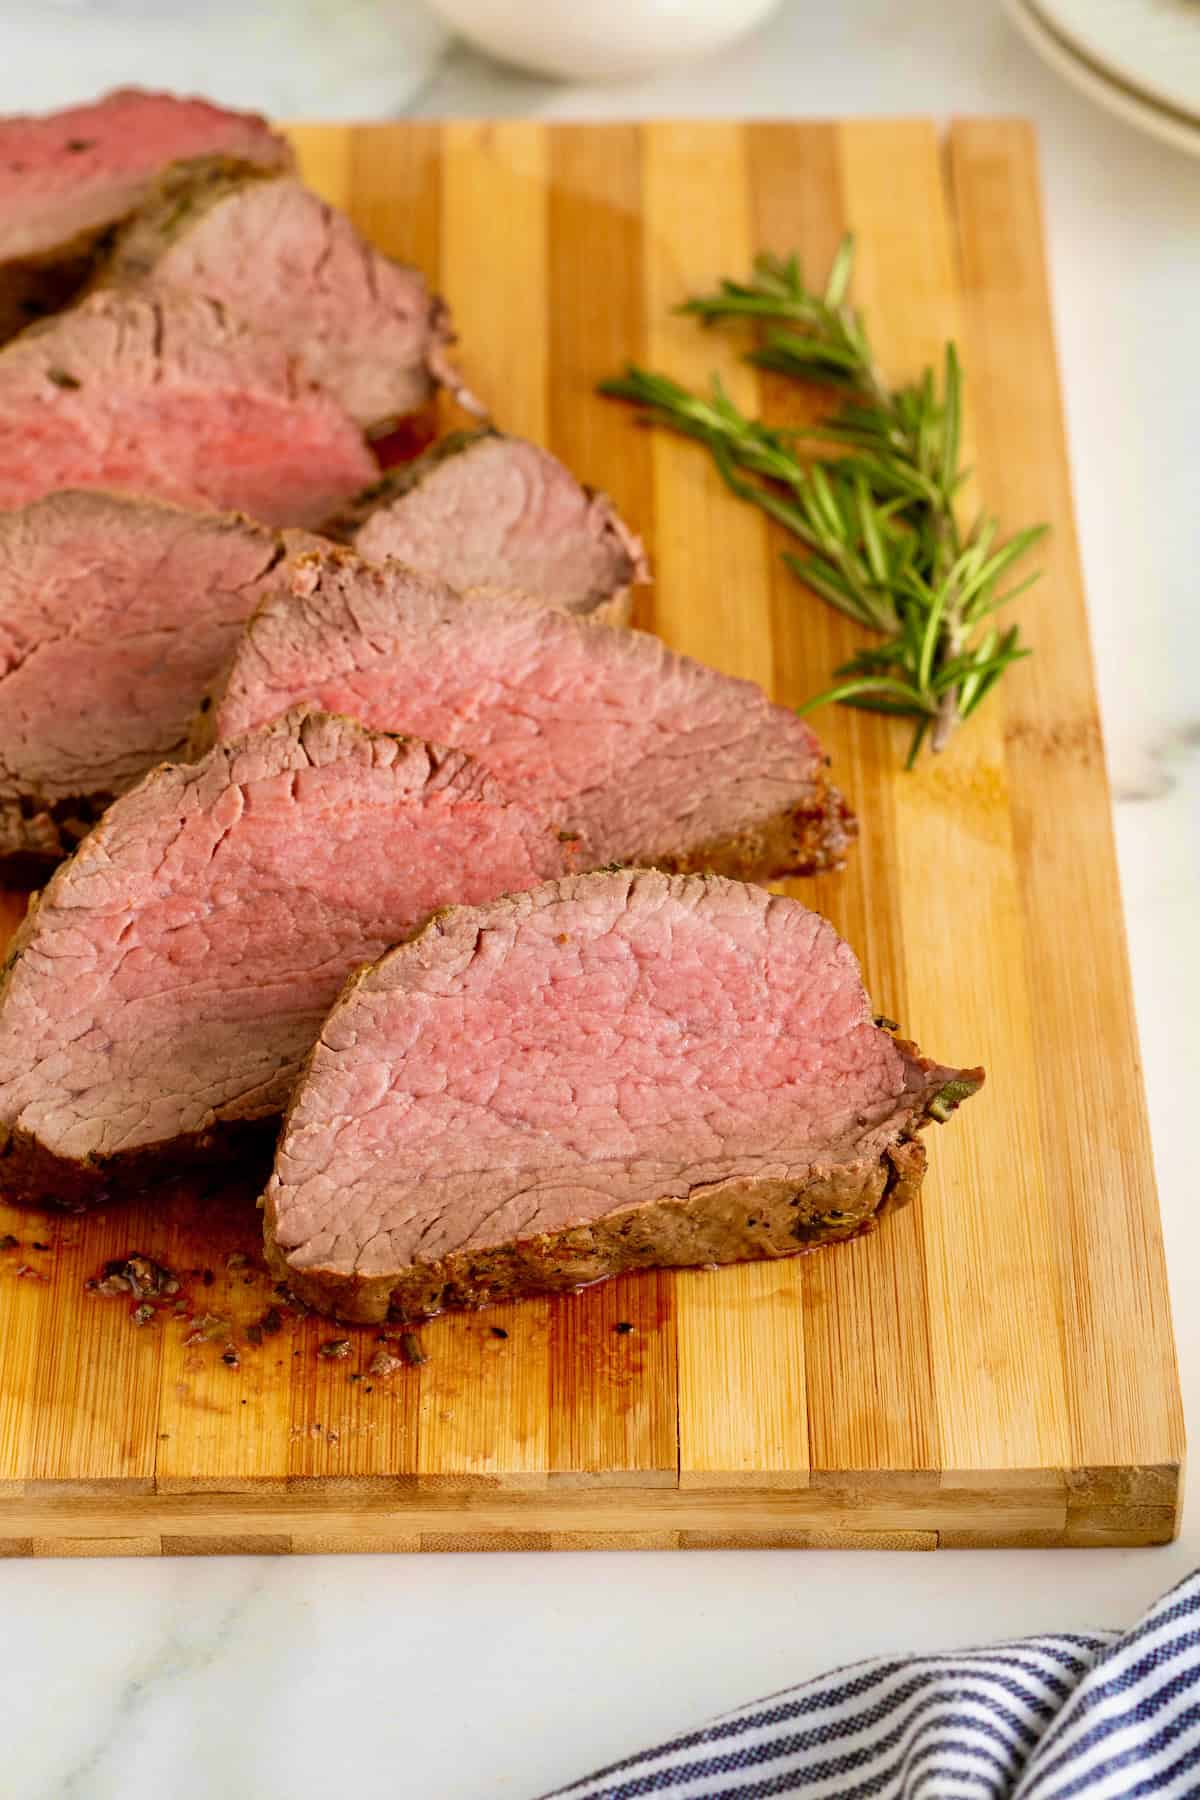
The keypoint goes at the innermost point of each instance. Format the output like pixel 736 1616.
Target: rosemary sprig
pixel 877 516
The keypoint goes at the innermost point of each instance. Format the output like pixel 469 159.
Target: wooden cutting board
pixel 993 1366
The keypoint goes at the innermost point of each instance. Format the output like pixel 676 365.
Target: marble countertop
pixel 255 1676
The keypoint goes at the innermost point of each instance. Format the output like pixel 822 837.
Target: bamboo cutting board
pixel 993 1366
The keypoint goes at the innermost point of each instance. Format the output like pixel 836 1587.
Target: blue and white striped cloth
pixel 1107 1715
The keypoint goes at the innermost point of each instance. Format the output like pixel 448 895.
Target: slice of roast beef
pixel 165 986
pixel 364 327
pixel 167 394
pixel 614 1071
pixel 644 755
pixel 67 177
pixel 115 615
pixel 487 511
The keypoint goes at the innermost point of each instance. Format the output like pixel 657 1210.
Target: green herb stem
pixel 878 518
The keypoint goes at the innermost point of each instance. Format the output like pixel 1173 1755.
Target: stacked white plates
pixel 1140 58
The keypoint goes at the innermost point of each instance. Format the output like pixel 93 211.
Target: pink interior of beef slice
pixel 177 968
pixel 115 614
pixel 71 172
pixel 168 395
pixel 648 755
pixel 485 510
pixel 606 1041
pixel 366 328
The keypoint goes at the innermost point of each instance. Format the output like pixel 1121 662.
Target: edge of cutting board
pixel 1041 1509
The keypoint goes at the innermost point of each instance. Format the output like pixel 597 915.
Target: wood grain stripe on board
pixel 97 1376
pixel 711 594
pixel 742 1404
pixel 612 1384
pixel 484 1399
pixel 345 1421
pixel 741 1333
pixel 25 1305
pixel 612 1394
pixel 991 1265
pixel 395 191
pixel 24 1317
pixel 325 154
pixel 217 1425
pixel 494 265
pixel 597 315
pixel 1090 1126
pixel 870 1402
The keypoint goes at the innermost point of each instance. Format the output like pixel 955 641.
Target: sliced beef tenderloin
pixel 614 1071
pixel 487 511
pixel 165 986
pixel 115 615
pixel 644 755
pixel 67 177
pixel 364 327
pixel 168 395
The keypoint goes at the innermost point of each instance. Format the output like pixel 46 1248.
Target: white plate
pixel 1136 108
pixel 1150 45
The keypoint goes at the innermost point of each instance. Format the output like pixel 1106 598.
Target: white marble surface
pixel 300 1677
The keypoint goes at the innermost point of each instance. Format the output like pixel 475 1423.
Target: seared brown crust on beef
pixel 811 838
pixel 34 286
pixel 33 839
pixel 31 1175
pixel 612 1072
pixel 616 610
pixel 67 178
pixel 362 325
pixel 736 1221
pixel 173 205
pixel 491 513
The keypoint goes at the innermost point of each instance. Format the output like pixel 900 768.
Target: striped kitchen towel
pixel 1102 1714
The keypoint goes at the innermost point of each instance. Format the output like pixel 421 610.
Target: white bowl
pixel 600 40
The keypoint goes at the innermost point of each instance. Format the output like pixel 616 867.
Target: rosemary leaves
pixel 877 516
